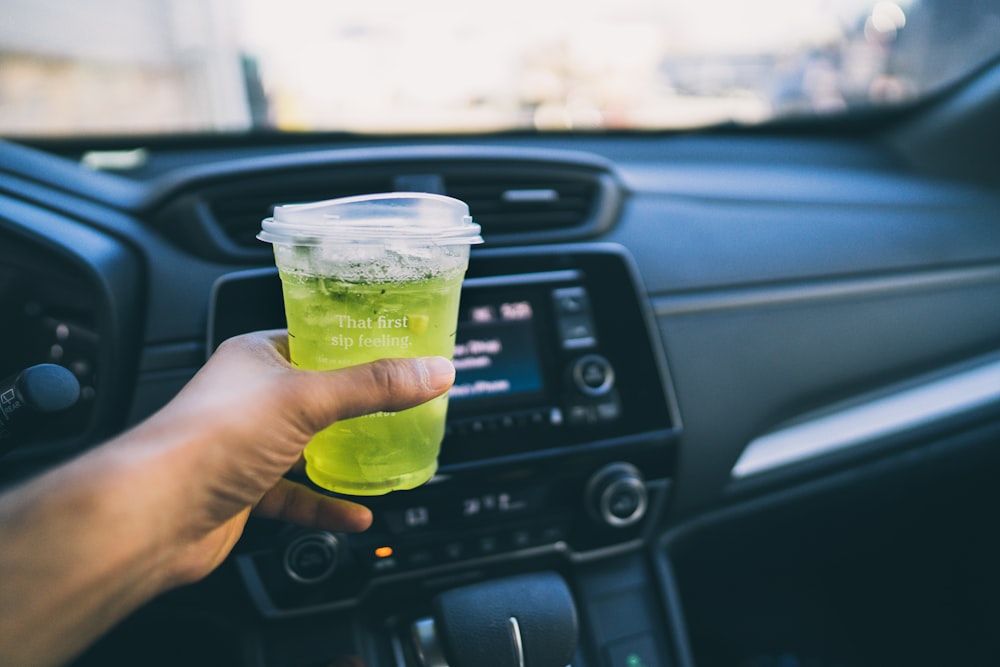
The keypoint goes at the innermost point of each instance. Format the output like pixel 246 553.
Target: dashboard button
pixel 414 518
pixel 581 414
pixel 571 301
pixel 609 409
pixel 521 539
pixel 552 534
pixel 454 551
pixel 488 544
pixel 420 558
pixel 577 332
pixel 576 326
pixel 384 565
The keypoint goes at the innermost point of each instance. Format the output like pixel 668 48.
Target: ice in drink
pixel 332 324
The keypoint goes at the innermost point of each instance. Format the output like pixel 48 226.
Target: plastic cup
pixel 366 278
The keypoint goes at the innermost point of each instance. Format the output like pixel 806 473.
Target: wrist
pixel 146 473
pixel 168 468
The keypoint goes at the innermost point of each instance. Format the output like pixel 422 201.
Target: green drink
pixel 367 278
pixel 332 324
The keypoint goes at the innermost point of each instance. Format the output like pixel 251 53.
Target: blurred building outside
pixel 120 67
pixel 116 67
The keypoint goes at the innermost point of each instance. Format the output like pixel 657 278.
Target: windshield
pixel 114 67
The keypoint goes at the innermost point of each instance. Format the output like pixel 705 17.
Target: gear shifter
pixel 523 621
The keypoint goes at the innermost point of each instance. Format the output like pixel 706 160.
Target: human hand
pixel 242 423
pixel 163 504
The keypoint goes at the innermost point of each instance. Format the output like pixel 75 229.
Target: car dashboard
pixel 742 390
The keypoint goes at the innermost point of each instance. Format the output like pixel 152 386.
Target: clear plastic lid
pixel 417 216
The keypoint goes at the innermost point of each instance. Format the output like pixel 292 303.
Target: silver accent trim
pixel 907 409
pixel 515 635
pixel 531 195
pixel 427 644
pixel 756 297
pixel 397 651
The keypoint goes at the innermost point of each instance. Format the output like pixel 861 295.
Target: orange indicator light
pixel 383 552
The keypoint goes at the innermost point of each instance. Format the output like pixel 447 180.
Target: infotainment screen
pixel 496 354
pixel 535 374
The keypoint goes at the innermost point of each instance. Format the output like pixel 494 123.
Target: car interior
pixel 748 414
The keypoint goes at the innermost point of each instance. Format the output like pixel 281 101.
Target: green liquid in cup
pixel 333 324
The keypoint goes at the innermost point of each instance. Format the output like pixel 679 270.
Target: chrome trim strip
pixel 910 408
pixel 515 636
pixel 671 305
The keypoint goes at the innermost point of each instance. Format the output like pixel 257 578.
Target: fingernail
pixel 438 373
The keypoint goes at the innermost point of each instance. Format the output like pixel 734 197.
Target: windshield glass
pixel 114 67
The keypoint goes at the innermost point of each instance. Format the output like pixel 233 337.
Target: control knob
pixel 311 557
pixel 593 375
pixel 616 495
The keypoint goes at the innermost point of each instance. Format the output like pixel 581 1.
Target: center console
pixel 559 443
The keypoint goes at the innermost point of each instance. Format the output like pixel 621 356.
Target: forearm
pixel 86 544
pixel 82 549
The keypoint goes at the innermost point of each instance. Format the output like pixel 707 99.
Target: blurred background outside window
pixel 114 67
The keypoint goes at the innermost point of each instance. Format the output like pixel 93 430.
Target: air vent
pixel 512 204
pixel 517 196
pixel 237 212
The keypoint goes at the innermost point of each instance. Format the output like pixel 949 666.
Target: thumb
pixel 387 384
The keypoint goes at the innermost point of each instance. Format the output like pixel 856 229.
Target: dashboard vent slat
pixel 541 203
pixel 518 197
pixel 238 212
